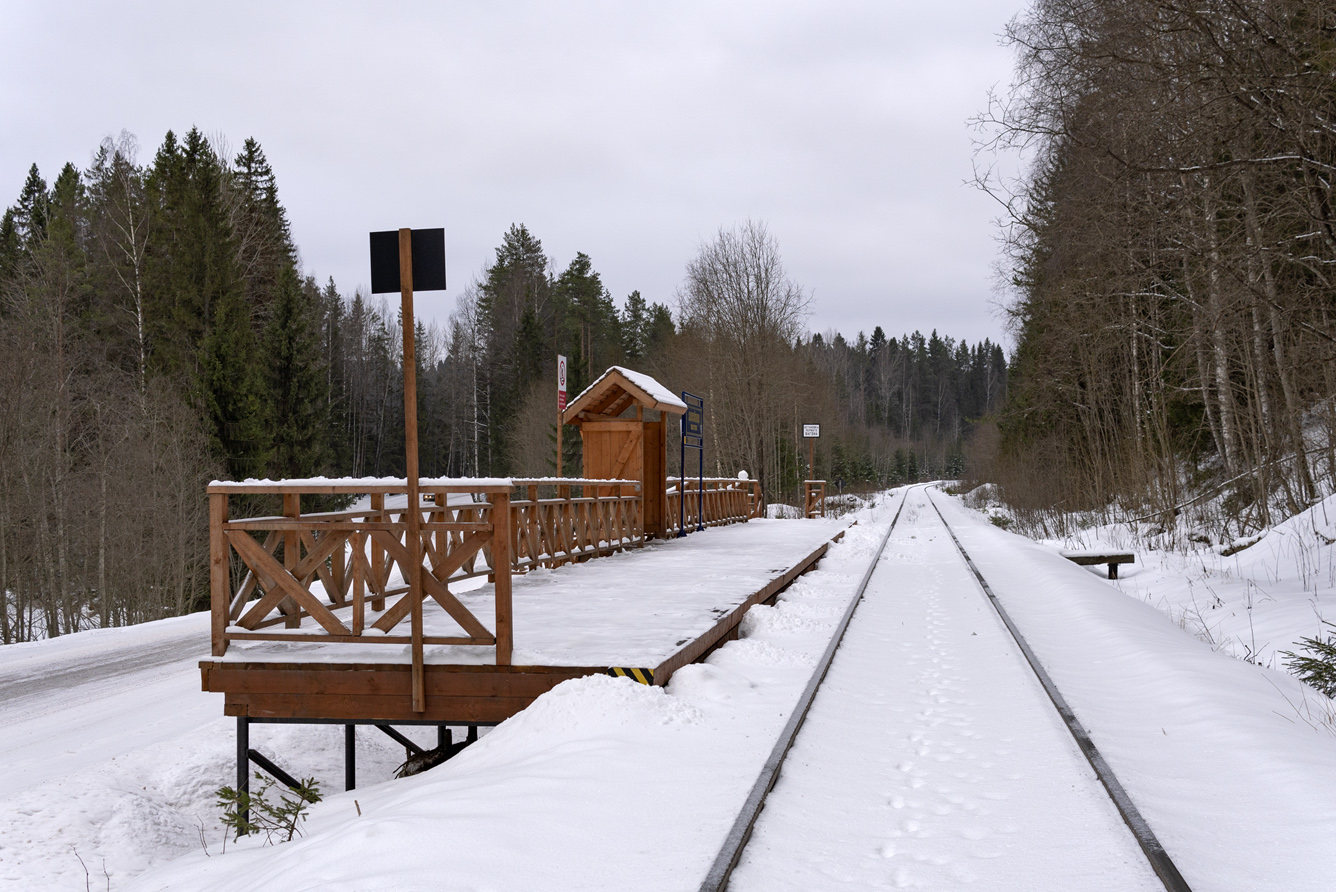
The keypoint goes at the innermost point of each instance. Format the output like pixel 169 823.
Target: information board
pixel 693 437
pixel 811 431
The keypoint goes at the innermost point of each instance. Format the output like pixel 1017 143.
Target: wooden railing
pixel 726 500
pixel 605 516
pixel 352 554
pixel 329 566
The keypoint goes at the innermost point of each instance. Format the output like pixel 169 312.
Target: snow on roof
pixel 652 387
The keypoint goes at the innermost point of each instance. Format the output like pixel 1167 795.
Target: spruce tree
pixel 30 214
pixel 297 385
pixel 235 390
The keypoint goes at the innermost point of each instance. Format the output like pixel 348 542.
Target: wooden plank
pixel 485 668
pixel 370 682
pixel 1089 558
pixel 348 526
pixel 345 707
pixel 279 487
pixel 315 638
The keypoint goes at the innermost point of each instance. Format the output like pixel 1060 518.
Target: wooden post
pixel 220 582
pixel 292 507
pixel 359 591
pixel 413 516
pixel 501 568
pixel 377 556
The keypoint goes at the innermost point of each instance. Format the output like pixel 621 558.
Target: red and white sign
pixel 561 384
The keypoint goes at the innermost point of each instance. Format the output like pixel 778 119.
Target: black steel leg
pixel 442 736
pixel 349 757
pixel 243 762
pixel 473 733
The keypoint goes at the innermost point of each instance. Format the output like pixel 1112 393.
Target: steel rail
pixel 727 859
pixel 1151 847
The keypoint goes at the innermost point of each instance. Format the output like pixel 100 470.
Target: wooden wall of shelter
pixel 626 448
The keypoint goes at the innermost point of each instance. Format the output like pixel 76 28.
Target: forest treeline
pixel 1173 249
pixel 156 332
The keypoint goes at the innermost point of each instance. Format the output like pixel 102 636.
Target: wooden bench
pixel 1089 558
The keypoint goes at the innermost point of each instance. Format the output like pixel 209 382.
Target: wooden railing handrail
pixel 361 486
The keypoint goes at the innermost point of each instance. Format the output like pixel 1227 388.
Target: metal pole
pixel 243 763
pixel 349 757
pixel 682 484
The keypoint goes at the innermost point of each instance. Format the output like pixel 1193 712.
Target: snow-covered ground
pixel 946 757
pixel 1251 599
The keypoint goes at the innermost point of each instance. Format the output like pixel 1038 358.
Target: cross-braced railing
pixel 348 571
pixel 330 566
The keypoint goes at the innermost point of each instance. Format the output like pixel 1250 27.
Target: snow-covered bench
pixel 1089 558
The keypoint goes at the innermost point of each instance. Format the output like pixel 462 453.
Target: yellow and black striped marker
pixel 644 676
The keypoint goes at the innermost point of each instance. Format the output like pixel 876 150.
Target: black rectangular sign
pixel 693 422
pixel 428 261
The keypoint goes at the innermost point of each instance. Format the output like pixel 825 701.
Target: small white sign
pixel 561 383
pixel 812 431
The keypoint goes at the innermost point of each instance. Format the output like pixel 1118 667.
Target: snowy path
pixel 78 700
pixel 931 756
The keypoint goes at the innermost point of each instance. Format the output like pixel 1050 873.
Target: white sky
pixel 626 131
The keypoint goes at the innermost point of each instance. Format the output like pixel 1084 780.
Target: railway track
pixel 730 854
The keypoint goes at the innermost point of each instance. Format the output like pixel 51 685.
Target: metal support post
pixel 349 757
pixel 243 762
pixel 443 738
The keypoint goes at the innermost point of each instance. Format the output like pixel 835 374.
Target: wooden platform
pixel 646 612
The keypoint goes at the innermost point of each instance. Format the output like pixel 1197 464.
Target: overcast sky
pixel 629 131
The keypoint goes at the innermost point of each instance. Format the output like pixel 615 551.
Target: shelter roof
pixel 617 389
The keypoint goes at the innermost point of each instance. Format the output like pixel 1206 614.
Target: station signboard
pixel 693 437
pixel 811 431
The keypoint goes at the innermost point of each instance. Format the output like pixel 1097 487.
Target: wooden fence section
pixel 726 500
pixel 330 566
pixel 607 516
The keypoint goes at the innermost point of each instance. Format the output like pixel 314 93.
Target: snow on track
pixel 932 757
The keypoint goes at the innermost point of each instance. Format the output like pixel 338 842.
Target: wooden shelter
pixel 633 448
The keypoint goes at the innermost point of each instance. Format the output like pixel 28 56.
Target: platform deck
pixel 651 610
